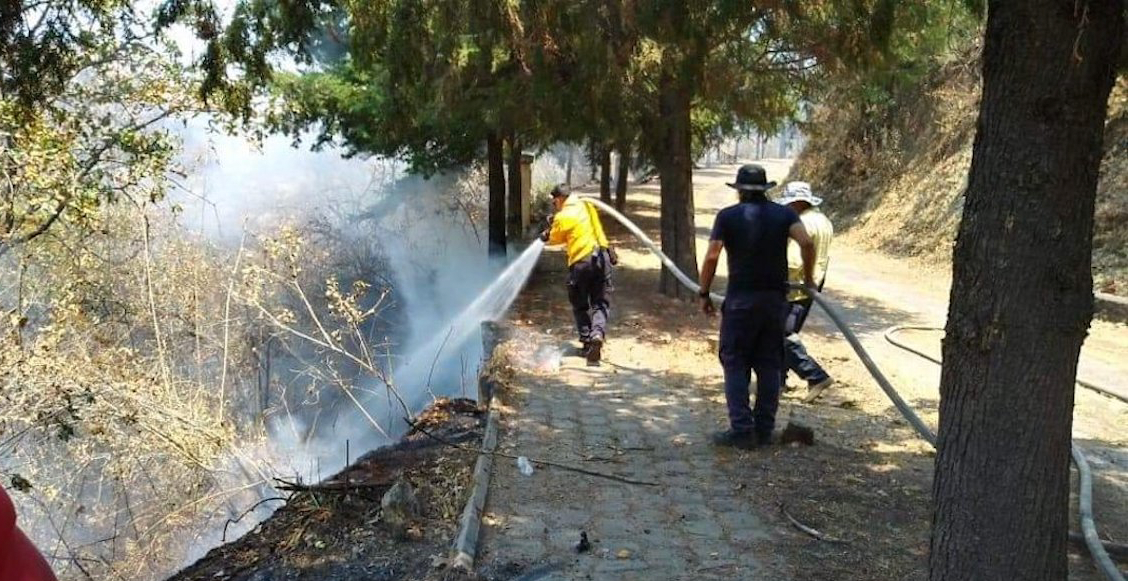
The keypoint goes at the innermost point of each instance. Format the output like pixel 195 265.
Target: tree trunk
pixel 605 174
pixel 568 166
pixel 1022 292
pixel 621 176
pixel 495 153
pixel 675 170
pixel 592 158
pixel 513 221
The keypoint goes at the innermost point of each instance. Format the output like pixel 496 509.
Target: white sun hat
pixel 798 192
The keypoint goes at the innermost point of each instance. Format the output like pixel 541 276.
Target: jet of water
pixel 491 304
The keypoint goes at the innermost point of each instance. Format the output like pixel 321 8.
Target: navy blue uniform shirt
pixel 755 236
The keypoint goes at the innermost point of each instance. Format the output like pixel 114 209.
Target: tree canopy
pixel 431 82
pixel 85 91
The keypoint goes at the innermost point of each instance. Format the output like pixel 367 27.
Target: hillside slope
pixel 894 176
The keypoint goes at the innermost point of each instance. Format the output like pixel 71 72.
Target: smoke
pixel 425 238
pixel 368 219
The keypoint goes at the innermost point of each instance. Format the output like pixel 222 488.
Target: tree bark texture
pixel 675 169
pixel 1022 292
pixel 621 176
pixel 593 159
pixel 513 217
pixel 605 174
pixel 568 166
pixel 496 156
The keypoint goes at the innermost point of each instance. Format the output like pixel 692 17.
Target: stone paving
pixel 641 424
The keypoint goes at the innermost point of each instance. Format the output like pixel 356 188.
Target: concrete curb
pixel 466 543
pixel 1111 307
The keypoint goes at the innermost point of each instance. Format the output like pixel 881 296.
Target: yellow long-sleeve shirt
pixel 577 226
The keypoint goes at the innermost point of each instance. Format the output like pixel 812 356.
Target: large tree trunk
pixel 495 153
pixel 622 175
pixel 675 169
pixel 605 174
pixel 1022 292
pixel 513 221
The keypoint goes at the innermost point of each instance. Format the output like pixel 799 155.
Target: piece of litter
pixel 583 546
pixel 524 466
pixel 623 554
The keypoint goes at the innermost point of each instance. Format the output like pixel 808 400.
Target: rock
pixel 401 507
pixel 795 432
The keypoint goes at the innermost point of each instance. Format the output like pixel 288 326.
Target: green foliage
pixel 918 37
pixel 427 80
pixel 86 90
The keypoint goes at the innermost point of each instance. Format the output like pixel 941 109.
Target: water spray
pixel 1096 549
pixel 489 305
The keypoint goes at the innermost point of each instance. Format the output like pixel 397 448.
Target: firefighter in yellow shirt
pixel 576 225
pixel 798 197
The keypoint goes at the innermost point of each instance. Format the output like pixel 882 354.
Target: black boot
pixel 595 351
pixel 742 440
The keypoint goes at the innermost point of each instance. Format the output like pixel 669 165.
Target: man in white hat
pixel 798 197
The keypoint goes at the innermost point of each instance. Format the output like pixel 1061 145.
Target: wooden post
pixel 526 190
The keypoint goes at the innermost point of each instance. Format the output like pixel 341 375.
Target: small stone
pixel 400 507
pixel 797 433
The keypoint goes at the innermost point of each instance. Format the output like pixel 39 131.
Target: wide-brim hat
pixel 798 192
pixel 751 178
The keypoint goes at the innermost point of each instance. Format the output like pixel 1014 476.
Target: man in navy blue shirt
pixel 754 234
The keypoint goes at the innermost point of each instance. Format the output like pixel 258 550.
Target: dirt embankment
pixel 894 175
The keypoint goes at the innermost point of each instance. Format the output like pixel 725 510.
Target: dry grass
pixel 895 181
pixel 135 406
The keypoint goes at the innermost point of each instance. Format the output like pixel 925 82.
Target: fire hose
pixel 1088 527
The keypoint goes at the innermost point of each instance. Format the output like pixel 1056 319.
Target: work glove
pixel 613 256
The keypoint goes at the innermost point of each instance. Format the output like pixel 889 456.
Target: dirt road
pixel 877 291
pixel 648 411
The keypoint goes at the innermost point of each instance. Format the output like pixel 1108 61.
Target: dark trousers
pixel 795 354
pixel 752 340
pixel 589 290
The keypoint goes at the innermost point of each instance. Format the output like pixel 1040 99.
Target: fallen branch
pixel 329 486
pixel 808 530
pixel 567 467
pixel 594 458
pixel 235 520
pixel 1118 550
